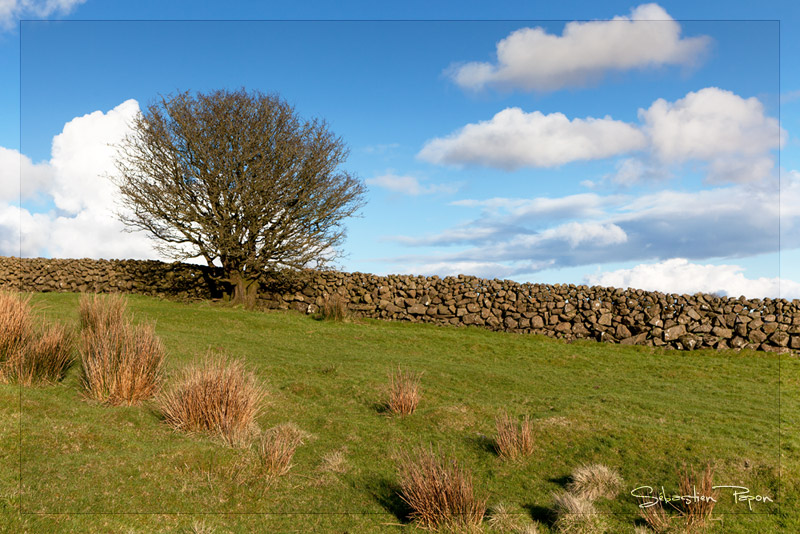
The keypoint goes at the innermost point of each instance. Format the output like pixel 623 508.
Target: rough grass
pixel 121 363
pixel 697 513
pixel 438 491
pixel 514 440
pixel 102 312
pixel 216 396
pixel 31 353
pixel 575 515
pixel 276 448
pixel 641 410
pixel 335 308
pixel 593 481
pixel 404 393
pixel 46 358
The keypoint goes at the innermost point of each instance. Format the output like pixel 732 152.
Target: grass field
pixel 81 466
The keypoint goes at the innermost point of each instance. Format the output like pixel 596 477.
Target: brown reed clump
pixel 513 440
pixel 102 312
pixel 121 363
pixel 46 358
pixel 439 491
pixel 693 514
pixel 16 326
pixel 31 353
pixel 403 391
pixel 594 481
pixel 276 448
pixel 216 396
pixel 335 308
pixel 657 518
pixel 697 512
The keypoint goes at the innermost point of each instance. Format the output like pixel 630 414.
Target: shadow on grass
pixel 482 443
pixel 543 515
pixel 381 408
pixel 387 494
pixel 561 481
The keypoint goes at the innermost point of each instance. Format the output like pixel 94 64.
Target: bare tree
pixel 238 177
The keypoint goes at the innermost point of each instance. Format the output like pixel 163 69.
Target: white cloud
pixel 82 154
pixel 730 136
pixel 85 224
pixel 13 10
pixel 576 233
pixel 736 221
pixel 514 139
pixel 409 185
pixel 22 232
pixel 473 268
pixel 678 275
pixel 570 206
pixel 17 172
pixel 716 126
pixel 532 59
pixel 632 171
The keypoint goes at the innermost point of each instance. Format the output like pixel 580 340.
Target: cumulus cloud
pixel 513 139
pixel 534 60
pixel 678 275
pixel 409 185
pixel 84 223
pixel 713 125
pixel 730 137
pixel 13 10
pixel 20 177
pixel 83 153
pixel 735 221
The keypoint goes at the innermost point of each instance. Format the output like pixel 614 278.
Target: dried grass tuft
pixel 594 481
pixel 102 312
pixel 575 515
pixel 513 440
pixel 122 363
pixel 216 396
pixel 276 449
pixel 697 513
pixel 403 391
pixel 335 308
pixel 439 491
pixel 31 354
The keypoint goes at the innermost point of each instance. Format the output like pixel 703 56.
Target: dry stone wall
pixel 634 317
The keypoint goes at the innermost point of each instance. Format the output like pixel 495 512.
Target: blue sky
pixel 525 143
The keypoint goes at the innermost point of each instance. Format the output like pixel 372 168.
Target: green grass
pixel 86 467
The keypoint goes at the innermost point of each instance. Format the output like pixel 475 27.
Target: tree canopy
pixel 237 177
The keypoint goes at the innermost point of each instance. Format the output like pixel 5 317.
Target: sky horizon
pixel 628 145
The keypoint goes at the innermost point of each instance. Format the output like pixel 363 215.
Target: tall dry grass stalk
pixel 403 391
pixel 16 326
pixel 335 308
pixel 686 517
pixel 276 449
pixel 31 354
pixel 439 491
pixel 697 512
pixel 102 312
pixel 575 515
pixel 657 518
pixel 217 396
pixel 47 357
pixel 513 440
pixel 594 481
pixel 121 363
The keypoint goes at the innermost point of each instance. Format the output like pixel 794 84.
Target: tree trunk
pixel 244 290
